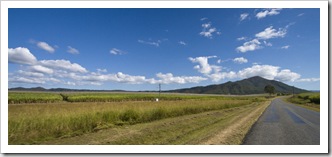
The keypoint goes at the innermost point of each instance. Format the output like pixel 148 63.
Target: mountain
pixel 253 85
pixel 28 89
pixel 41 89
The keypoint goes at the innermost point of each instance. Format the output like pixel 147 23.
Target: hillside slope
pixel 253 85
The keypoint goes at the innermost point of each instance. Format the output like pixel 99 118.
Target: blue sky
pixel 136 49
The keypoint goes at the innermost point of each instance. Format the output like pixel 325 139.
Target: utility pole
pixel 159 89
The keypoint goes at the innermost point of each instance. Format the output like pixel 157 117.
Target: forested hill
pixel 253 85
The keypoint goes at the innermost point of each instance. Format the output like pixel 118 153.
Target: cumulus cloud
pixel 168 78
pixel 30 74
pixel 215 77
pixel 286 75
pixel 268 12
pixel 21 55
pixel 125 78
pixel 244 16
pixel 266 71
pixel 120 77
pixel 285 47
pixel 41 69
pixel 208 30
pixel 240 60
pixel 269 72
pixel 249 46
pixel 115 51
pixel 206 25
pixel 270 32
pixel 204 67
pixel 26 80
pixel 45 46
pixel 64 65
pixel 72 50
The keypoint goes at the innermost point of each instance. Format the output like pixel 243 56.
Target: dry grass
pixel 33 123
pixel 194 129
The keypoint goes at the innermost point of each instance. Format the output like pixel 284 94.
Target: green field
pixel 307 100
pixel 51 116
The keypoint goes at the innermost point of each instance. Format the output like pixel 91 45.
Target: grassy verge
pixel 30 124
pixel 310 101
pixel 200 128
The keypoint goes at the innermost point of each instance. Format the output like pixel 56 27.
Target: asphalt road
pixel 285 124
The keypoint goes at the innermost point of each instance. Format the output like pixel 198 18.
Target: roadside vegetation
pixel 307 100
pixel 33 123
pixel 227 126
pixel 33 97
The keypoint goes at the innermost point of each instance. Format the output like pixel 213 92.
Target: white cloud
pixel 269 33
pixel 45 46
pixel 266 71
pixel 308 80
pixel 240 60
pixel 244 16
pixel 101 70
pixel 115 51
pixel 72 50
pixel 204 67
pixel 21 55
pixel 208 30
pixel 204 18
pixel 206 25
pixel 285 47
pixel 70 83
pixel 26 80
pixel 267 43
pixel 125 78
pixel 30 74
pixel 286 75
pixel 215 77
pixel 249 46
pixel 268 12
pixel 269 72
pixel 168 78
pixel 120 77
pixel 290 24
pixel 63 64
pixel 153 43
pixel 182 43
pixel 300 14
pixel 241 38
pixel 219 61
pixel 41 69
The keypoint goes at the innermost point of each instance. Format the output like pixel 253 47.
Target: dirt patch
pixel 241 124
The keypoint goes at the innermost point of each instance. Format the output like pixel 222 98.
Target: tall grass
pixel 33 97
pixel 305 98
pixel 44 97
pixel 28 124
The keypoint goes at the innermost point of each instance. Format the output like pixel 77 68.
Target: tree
pixel 269 89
